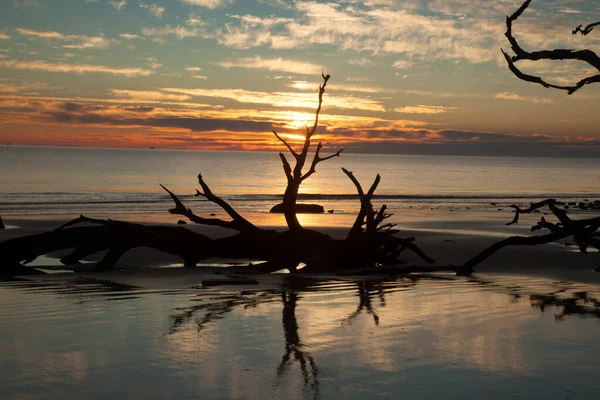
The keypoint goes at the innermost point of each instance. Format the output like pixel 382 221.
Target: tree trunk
pixel 289 206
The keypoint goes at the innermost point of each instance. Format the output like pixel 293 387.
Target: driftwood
pixel 371 246
pixel 587 56
pixel 371 243
pixel 584 232
pixel 300 209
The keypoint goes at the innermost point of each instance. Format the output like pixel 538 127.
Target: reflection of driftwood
pixel 587 56
pixel 584 231
pixel 295 348
pixel 578 304
pixel 215 310
pixel 366 290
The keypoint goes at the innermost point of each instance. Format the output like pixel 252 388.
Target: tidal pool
pixel 421 337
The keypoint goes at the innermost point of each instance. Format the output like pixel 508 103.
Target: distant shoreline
pixel 149 147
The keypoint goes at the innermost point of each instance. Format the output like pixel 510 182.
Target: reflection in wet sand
pixel 307 338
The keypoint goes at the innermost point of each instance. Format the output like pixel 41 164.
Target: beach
pixel 524 323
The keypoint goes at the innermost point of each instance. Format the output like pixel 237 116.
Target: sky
pixel 413 76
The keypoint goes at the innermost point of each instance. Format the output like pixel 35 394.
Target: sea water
pixel 51 181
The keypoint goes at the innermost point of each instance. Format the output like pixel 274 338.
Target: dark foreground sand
pixel 449 241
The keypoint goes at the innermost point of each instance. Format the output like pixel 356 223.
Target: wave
pixel 65 199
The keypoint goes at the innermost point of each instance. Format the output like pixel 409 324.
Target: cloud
pixel 568 10
pixel 208 3
pixel 40 34
pixel 18 87
pixel 118 4
pixel 153 63
pixel 193 69
pixel 282 99
pixel 518 97
pixel 148 95
pixel 275 64
pixel 421 109
pixel 304 85
pixel 73 68
pixel 361 61
pixel 180 32
pixel 129 36
pixel 153 9
pixel 4 36
pixel 401 64
pixel 26 3
pixel 79 41
pixel 202 77
pixel 376 27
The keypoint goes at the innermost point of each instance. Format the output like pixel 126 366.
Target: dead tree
pixel 371 241
pixel 586 55
pixel 295 176
pixel 584 232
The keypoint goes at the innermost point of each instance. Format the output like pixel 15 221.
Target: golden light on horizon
pixel 294 136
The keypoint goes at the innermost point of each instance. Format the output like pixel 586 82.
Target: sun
pixel 294 136
pixel 298 120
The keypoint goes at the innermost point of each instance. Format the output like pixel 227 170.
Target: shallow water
pixel 420 337
pixel 108 181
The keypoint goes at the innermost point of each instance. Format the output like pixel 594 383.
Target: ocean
pixel 67 181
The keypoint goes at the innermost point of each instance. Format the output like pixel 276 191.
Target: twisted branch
pixel 584 231
pixel 317 159
pixel 586 30
pixel 296 155
pixel 587 56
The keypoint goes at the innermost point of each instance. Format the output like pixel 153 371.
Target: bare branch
pixel 366 215
pixel 586 30
pixel 532 208
pixel 286 167
pixel 516 241
pixel 83 219
pixel 180 209
pixel 321 91
pixel 587 56
pixel 317 159
pixel 242 223
pixel 296 155
pixel 310 132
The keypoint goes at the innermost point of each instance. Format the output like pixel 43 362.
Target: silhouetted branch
pixel 533 207
pixel 586 30
pixel 317 159
pixel 516 241
pixel 587 56
pixel 366 215
pixel 294 176
pixel 583 231
pixel 180 209
pixel 243 223
pixel 296 155
pixel 115 236
pixel 286 168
